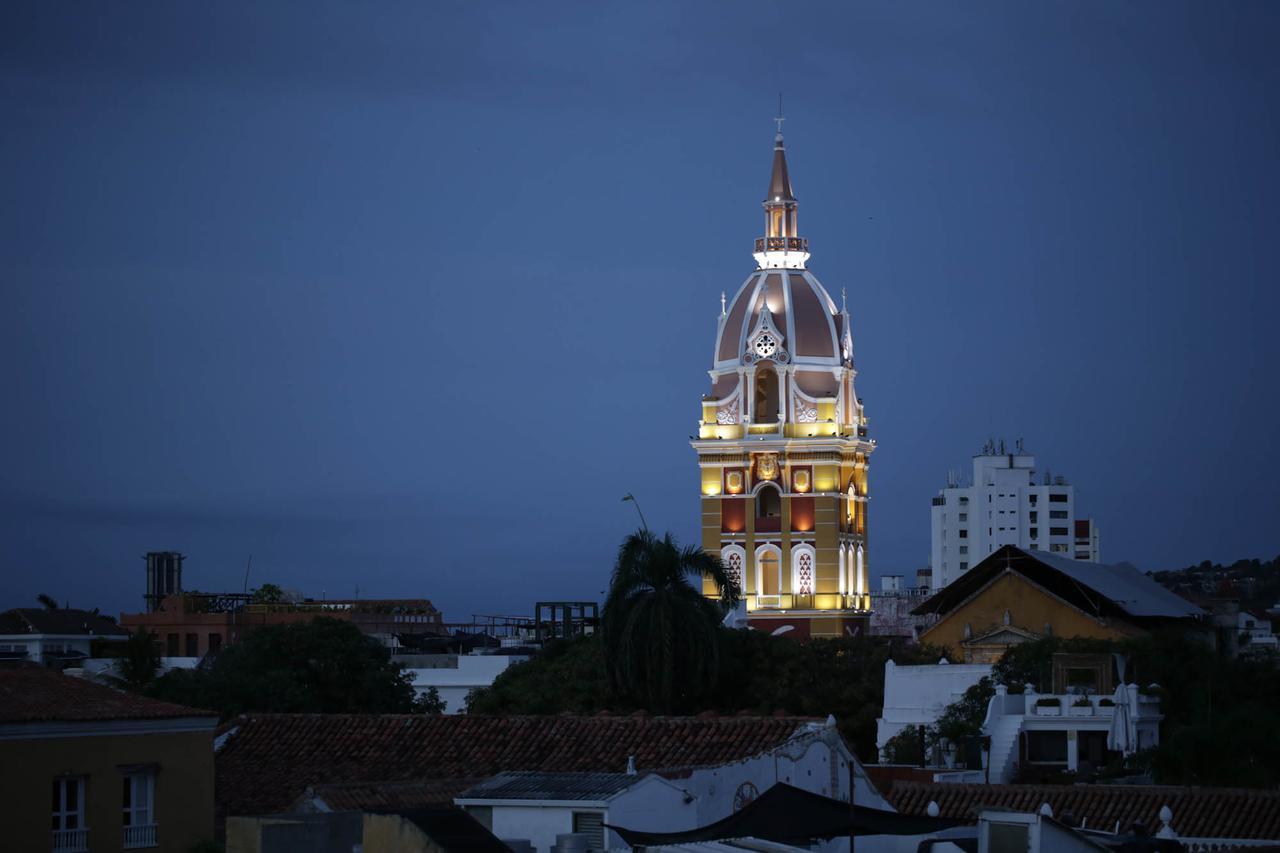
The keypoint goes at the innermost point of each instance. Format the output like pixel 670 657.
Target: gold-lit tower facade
pixel 782 444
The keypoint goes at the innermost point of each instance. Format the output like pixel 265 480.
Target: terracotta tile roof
pixel 65 621
pixel 265 761
pixel 31 694
pixel 1197 812
pixel 384 796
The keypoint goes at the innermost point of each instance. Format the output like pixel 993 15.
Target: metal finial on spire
pixel 844 300
pixel 780 119
pixel 722 311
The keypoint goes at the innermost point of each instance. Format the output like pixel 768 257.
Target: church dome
pixel 807 328
pixel 784 349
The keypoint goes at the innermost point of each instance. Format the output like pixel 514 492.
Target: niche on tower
pixel 767 395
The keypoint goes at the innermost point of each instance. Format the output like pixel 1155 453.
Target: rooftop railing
pixel 782 244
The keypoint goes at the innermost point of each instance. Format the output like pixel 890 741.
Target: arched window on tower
pixel 769 564
pixel 766 411
pixel 768 508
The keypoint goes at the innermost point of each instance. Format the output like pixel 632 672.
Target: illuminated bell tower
pixel 782 445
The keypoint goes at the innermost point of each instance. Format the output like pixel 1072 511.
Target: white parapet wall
pixel 917 695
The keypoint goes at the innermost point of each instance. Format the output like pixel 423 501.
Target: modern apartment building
pixel 1005 503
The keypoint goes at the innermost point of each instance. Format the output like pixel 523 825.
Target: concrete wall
pixel 538 824
pixel 655 804
pixel 183 785
pixel 652 804
pixel 815 764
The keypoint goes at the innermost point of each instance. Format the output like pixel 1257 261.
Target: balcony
pixel 782 244
pixel 797 601
pixel 140 836
pixel 768 524
pixel 70 840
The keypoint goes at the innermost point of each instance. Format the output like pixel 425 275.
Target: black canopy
pixel 786 814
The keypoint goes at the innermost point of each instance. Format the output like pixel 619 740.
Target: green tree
pixel 660 632
pixel 759 674
pixel 140 663
pixel 325 666
pixel 49 602
pixel 268 593
pixel 568 676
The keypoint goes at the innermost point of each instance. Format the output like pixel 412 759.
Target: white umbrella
pixel 1118 736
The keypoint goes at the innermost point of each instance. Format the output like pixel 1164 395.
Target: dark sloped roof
pixel 31 694
pixel 39 620
pixel 551 786
pixel 1197 812
pixel 266 760
pixel 1101 590
pixel 786 814
pixel 454 830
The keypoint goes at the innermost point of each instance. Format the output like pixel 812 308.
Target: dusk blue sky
pixel 406 296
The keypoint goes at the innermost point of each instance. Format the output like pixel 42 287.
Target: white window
pixel 138 802
pixel 69 832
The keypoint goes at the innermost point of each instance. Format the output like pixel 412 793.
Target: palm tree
pixel 660 636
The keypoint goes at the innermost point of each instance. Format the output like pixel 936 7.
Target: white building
pixel 815 759
pixel 1256 634
pixel 1066 731
pixel 455 676
pixel 56 637
pixel 1005 504
pixel 539 807
pixel 917 695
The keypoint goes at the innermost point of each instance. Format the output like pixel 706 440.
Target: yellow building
pixel 782 444
pixel 1014 596
pixel 88 767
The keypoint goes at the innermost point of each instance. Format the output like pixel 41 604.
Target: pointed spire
pixel 779 180
pixel 781 245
